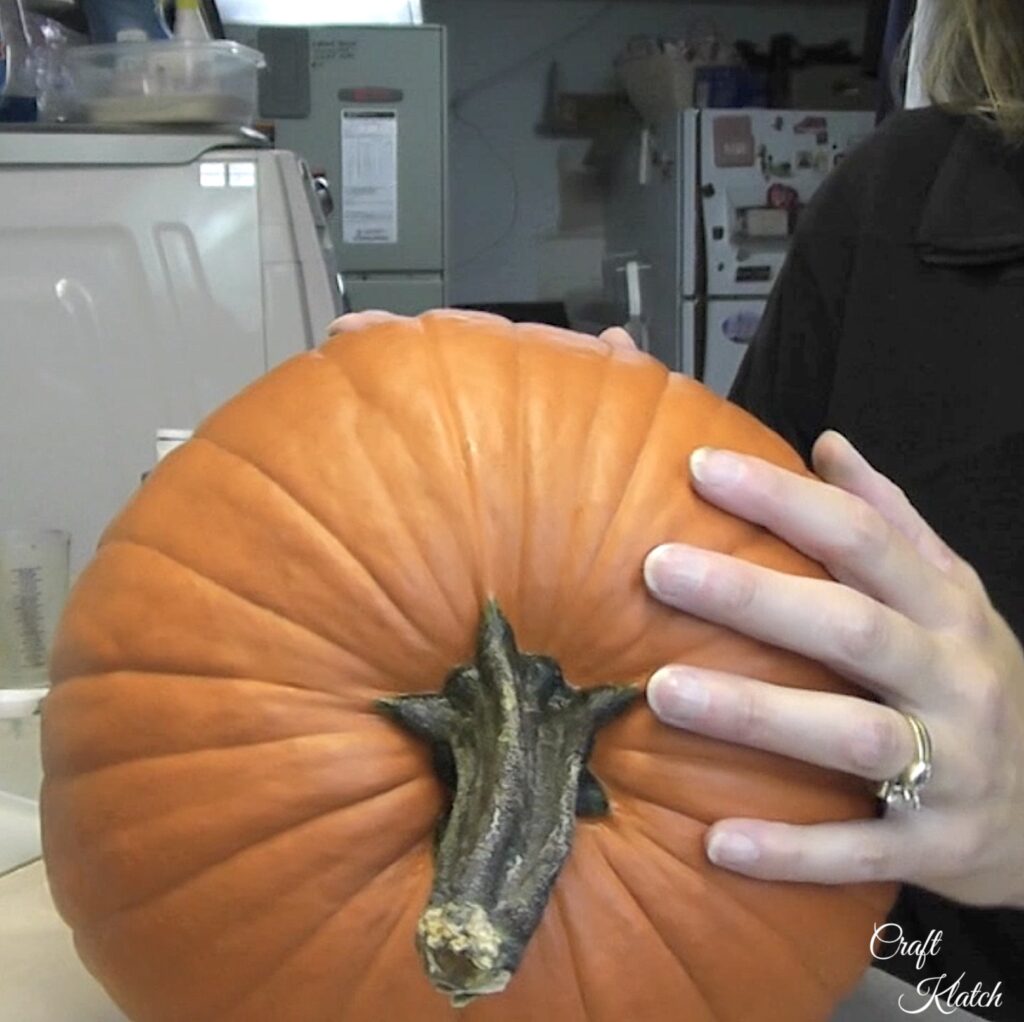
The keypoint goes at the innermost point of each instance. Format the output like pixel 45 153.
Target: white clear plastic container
pixel 178 81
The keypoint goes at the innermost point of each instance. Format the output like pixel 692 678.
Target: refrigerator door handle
pixel 636 324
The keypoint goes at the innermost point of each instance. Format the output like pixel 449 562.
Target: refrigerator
pixel 702 208
pixel 366 107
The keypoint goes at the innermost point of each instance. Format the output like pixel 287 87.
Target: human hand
pixel 908 620
pixel 615 336
pixel 352 321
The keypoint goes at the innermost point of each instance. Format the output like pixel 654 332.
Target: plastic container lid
pixel 100 54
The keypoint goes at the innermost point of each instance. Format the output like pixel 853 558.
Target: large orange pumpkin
pixel 240 813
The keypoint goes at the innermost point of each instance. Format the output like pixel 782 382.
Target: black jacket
pixel 899 321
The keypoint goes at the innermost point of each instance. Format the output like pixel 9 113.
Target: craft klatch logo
pixel 942 991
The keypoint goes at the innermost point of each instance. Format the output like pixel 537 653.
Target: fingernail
pixel 715 468
pixel 835 432
pixel 848 450
pixel 672 568
pixel 731 848
pixel 677 695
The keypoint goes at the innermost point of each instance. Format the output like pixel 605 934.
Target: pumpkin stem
pixel 510 740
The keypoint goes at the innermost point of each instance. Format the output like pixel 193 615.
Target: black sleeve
pixel 787 374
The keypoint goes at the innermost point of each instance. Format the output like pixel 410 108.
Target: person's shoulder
pixel 906 146
pixel 883 183
pixel 929 126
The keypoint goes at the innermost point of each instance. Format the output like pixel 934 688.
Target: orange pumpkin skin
pixel 234 834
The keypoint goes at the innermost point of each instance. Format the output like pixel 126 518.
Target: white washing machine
pixel 144 279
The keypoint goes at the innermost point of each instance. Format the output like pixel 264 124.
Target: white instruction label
pixel 369 176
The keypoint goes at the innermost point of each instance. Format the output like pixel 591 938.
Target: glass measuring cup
pixel 33 586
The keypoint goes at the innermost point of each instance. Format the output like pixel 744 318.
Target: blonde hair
pixel 974 61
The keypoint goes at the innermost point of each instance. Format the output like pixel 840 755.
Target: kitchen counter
pixel 43 981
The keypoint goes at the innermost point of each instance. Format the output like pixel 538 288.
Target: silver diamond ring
pixel 906 787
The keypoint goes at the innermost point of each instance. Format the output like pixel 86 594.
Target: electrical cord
pixel 497 76
pixel 459 99
pixel 510 170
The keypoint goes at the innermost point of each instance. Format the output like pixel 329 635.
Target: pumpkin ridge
pixel 744 753
pixel 555 922
pixel 645 915
pixel 523 473
pixel 628 815
pixel 558 900
pixel 89 760
pixel 237 1008
pixel 163 757
pixel 315 930
pixel 341 544
pixel 258 844
pixel 574 935
pixel 623 652
pixel 726 410
pixel 429 574
pixel 773 935
pixel 598 392
pixel 643 448
pixel 199 679
pixel 756 535
pixel 250 601
pixel 751 765
pixel 611 785
pixel 700 636
pixel 722 879
pixel 374 959
pixel 482 580
pixel 112 544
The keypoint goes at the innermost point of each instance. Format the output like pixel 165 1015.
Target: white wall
pixel 497 245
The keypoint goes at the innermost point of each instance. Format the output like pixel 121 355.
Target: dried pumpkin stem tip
pixel 510 740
